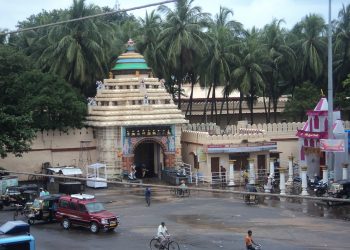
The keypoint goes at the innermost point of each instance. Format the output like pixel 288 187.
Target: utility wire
pixel 86 17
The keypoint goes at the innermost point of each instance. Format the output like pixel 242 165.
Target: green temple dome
pixel 130 61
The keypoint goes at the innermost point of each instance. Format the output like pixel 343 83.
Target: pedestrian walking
pixel 148 196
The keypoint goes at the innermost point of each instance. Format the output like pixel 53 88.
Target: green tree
pixel 216 63
pixel 248 74
pixel 54 104
pixel 182 35
pixel 16 131
pixel 31 100
pixel 78 50
pixel 280 61
pixel 342 47
pixel 147 44
pixel 342 99
pixel 310 46
pixel 305 98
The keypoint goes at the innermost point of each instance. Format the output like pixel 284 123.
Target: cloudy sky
pixel 249 12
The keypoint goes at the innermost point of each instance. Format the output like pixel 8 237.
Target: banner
pixel 332 145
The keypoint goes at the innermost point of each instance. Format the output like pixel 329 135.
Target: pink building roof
pixel 322 105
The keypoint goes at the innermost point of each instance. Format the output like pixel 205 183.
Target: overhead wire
pixel 85 17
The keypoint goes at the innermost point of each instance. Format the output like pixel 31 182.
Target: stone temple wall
pixel 58 148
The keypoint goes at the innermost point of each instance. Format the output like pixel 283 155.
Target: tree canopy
pixel 185 45
pixel 32 100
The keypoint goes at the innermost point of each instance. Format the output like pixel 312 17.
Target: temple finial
pixel 322 94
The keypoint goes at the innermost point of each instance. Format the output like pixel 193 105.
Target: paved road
pixel 203 221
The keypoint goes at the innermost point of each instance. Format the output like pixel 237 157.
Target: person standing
pixel 148 196
pixel 223 175
pixel 245 177
pixel 42 192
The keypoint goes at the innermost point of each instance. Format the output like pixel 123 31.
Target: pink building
pixel 315 129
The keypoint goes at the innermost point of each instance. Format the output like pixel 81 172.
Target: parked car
pixel 85 210
pixel 340 189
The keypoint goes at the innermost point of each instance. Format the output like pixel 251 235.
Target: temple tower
pixel 135 119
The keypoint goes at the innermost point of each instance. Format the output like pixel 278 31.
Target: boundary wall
pixel 58 148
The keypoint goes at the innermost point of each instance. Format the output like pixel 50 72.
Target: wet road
pixel 203 221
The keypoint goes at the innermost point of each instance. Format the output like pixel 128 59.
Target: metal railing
pixel 199 189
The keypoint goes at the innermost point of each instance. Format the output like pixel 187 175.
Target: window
pixel 94 207
pixel 72 205
pixel 316 122
pixel 63 203
pixel 81 208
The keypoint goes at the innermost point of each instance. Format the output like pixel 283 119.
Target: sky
pixel 249 12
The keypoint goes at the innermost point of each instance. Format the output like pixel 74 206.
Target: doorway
pixel 261 168
pixel 215 161
pixel 148 159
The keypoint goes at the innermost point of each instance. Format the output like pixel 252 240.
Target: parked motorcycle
pixel 321 188
pixel 313 183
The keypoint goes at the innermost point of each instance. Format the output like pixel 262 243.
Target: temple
pixel 314 130
pixel 135 119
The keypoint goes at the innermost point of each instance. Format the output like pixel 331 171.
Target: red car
pixel 84 210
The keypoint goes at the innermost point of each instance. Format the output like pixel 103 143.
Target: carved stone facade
pixel 135 119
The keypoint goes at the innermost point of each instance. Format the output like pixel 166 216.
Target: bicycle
pixel 178 192
pixel 257 247
pixel 169 244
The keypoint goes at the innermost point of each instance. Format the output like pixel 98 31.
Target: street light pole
pixel 330 88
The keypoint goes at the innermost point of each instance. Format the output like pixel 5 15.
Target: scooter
pixel 321 188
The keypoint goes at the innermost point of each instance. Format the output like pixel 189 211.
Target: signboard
pixel 202 156
pixel 332 145
pixel 240 148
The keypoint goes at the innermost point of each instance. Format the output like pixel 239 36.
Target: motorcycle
pixel 321 188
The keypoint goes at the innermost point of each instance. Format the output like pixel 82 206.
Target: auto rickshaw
pixel 340 189
pixel 43 208
pixel 18 195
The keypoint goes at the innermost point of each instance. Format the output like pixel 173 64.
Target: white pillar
pixel 325 174
pixel 282 180
pixel 231 173
pixel 251 171
pixel 345 171
pixel 304 180
pixel 272 167
pixel 290 169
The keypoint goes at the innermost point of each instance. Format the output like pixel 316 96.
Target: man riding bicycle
pixel 249 241
pixel 162 235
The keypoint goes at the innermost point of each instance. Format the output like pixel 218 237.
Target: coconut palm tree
pixel 280 60
pixel 342 46
pixel 310 47
pixel 216 64
pixel 147 44
pixel 248 75
pixel 182 36
pixel 77 50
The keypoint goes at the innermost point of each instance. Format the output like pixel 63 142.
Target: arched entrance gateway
pixel 148 158
pixel 149 148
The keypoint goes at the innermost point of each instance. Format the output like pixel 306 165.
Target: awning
pixel 97 165
pixel 241 149
pixel 66 171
